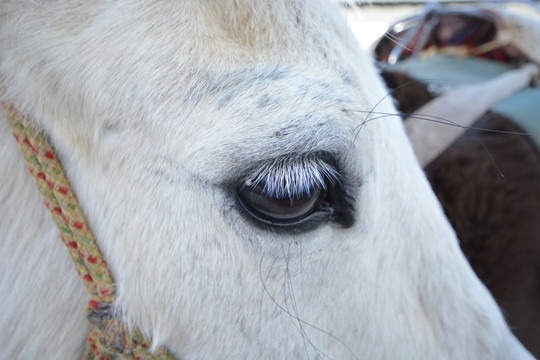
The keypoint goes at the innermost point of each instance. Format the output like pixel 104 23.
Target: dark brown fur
pixel 496 217
pixel 409 94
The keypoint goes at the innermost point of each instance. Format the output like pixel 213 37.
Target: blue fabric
pixel 447 71
pixel 523 108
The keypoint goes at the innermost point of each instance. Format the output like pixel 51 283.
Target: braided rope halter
pixel 108 337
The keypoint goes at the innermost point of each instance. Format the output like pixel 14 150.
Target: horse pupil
pixel 280 209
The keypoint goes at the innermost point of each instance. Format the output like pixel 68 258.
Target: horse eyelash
pixel 293 178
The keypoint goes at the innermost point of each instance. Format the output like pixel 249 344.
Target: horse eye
pixel 283 210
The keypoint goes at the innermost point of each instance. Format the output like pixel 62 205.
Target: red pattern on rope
pixel 108 337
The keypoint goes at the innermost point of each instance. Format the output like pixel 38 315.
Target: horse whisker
pixel 294 317
pixel 435 119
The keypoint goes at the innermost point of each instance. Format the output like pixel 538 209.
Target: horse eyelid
pixel 287 177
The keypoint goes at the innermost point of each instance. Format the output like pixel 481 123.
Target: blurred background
pixel 369 20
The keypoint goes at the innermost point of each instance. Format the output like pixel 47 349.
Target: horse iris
pixel 280 210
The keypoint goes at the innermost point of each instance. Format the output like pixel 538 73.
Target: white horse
pixel 168 118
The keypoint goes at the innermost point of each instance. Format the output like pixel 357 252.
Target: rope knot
pixel 109 334
pixel 99 311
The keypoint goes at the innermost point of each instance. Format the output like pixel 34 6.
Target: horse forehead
pixel 271 87
pixel 208 92
pixel 255 113
pixel 154 55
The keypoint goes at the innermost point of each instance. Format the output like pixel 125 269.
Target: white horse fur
pixel 156 109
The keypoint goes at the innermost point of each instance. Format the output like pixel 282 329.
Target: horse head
pixel 248 201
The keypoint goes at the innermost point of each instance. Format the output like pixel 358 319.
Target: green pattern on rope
pixel 108 337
